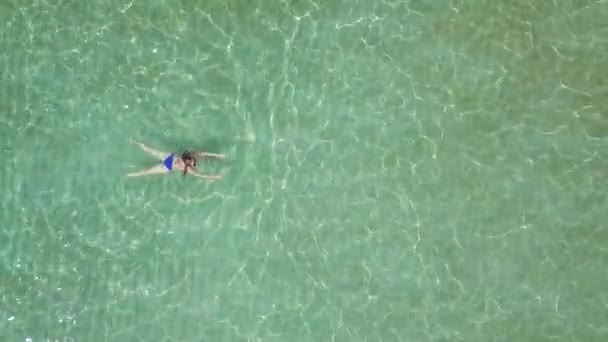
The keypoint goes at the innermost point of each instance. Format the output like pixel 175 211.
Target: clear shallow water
pixel 408 171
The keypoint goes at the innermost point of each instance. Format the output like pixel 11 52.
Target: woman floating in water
pixel 185 162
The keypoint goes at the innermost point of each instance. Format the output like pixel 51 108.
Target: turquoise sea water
pixel 399 170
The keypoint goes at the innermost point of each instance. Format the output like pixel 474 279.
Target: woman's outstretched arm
pixel 207 177
pixel 211 155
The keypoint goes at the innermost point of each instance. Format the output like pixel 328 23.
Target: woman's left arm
pixel 207 177
pixel 211 155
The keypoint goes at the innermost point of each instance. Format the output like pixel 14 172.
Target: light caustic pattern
pixel 399 170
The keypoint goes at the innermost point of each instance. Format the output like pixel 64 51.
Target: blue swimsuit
pixel 168 162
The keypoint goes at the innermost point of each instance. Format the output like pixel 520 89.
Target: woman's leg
pixel 156 154
pixel 155 170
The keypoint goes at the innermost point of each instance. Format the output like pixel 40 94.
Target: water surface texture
pixel 415 170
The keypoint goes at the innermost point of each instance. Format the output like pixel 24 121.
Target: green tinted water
pixel 400 171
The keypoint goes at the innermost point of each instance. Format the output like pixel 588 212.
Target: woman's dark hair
pixel 189 161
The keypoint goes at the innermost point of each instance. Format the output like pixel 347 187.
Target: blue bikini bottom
pixel 168 162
